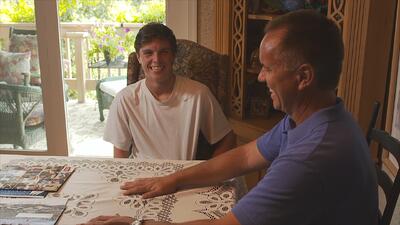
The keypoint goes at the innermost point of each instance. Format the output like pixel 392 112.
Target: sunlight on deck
pixel 86 130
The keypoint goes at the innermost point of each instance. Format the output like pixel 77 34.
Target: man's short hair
pixel 152 31
pixel 311 38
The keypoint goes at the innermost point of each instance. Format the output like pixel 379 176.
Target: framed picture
pixel 393 109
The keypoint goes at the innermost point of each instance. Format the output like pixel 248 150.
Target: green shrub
pixel 20 11
pixel 133 11
pixel 152 11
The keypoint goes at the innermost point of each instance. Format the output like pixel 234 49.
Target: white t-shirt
pixel 169 129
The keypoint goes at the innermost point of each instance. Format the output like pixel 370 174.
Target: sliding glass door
pixel 32 112
pixel 62 77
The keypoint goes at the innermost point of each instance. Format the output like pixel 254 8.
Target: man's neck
pixel 312 104
pixel 161 91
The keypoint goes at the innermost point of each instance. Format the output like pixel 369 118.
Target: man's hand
pixel 150 187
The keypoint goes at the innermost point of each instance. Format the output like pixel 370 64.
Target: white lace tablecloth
pixel 93 190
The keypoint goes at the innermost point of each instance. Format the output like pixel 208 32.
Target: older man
pixel 319 169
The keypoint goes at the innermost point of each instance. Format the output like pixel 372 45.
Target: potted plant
pixel 111 42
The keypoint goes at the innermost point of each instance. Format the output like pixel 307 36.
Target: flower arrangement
pixel 113 42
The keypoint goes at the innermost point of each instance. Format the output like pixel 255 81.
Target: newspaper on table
pixel 31 211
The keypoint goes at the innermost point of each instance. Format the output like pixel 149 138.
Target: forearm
pixel 226 143
pixel 233 163
pixel 119 153
pixel 228 219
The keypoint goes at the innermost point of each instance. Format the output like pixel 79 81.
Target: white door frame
pixel 181 17
pixel 47 26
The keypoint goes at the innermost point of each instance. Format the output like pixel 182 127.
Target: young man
pixel 319 169
pixel 161 116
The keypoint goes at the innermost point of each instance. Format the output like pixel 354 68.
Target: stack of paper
pixel 31 211
pixel 33 180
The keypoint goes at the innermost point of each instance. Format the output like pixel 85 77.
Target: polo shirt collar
pixel 322 116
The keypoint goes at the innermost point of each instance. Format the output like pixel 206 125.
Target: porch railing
pixel 74 48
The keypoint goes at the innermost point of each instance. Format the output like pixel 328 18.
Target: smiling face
pixel 157 58
pixel 282 82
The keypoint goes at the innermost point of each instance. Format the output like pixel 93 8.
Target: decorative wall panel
pixel 238 57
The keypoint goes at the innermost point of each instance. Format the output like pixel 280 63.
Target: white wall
pixel 182 18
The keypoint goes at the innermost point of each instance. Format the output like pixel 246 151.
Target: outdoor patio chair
pixel 23 41
pixel 21 108
pixel 21 115
pixel 106 89
pixel 26 40
pixel 20 31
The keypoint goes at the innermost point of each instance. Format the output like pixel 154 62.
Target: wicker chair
pixel 21 115
pixel 21 109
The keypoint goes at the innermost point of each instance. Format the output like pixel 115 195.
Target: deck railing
pixel 75 45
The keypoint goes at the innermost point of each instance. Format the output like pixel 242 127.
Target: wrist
pixel 177 180
pixel 137 222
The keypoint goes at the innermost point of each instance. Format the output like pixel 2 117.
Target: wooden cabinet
pixel 249 97
pixel 367 29
pixel 251 107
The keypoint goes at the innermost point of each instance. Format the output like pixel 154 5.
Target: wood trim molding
pixel 395 68
pixel 393 88
pixel 222 26
pixel 365 67
pixel 354 38
pixel 238 61
pixel 336 12
pixel 181 17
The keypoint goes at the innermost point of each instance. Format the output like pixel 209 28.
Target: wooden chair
pixel 391 188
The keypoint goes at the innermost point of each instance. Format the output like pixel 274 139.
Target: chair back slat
pixel 385 182
pixel 390 187
pixel 386 141
pixel 372 122
pixel 391 201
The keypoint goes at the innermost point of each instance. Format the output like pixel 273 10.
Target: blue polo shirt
pixel 321 173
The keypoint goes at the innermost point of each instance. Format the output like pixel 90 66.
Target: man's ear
pixel 305 76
